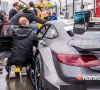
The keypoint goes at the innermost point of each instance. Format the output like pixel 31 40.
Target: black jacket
pixel 29 15
pixel 12 12
pixel 23 41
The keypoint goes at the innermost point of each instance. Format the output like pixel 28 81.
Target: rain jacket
pixel 23 41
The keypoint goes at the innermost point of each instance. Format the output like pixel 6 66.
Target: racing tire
pixel 38 76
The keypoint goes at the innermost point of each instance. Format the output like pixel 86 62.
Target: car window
pixel 48 31
pixel 51 33
pixel 42 31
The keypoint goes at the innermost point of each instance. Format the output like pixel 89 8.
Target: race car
pixel 65 60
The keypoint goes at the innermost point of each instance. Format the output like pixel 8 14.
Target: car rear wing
pixel 80 49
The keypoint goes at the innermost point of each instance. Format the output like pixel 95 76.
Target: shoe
pixel 12 71
pixel 7 68
pixel 24 71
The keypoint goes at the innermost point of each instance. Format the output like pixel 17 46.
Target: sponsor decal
pixel 81 77
pixel 91 78
pixel 81 26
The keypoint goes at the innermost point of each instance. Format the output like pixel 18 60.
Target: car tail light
pixel 78 60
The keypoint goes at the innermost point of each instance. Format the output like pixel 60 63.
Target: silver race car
pixel 65 60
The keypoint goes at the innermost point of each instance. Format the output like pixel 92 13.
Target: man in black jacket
pixel 24 39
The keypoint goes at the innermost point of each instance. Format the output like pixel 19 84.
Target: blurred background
pixel 62 5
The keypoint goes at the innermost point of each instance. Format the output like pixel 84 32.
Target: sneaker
pixel 7 68
pixel 24 71
pixel 12 72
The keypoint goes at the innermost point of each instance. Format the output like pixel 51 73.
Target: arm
pixel 38 13
pixel 37 19
pixel 35 40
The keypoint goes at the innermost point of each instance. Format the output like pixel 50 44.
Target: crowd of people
pixel 22 25
pixel 31 12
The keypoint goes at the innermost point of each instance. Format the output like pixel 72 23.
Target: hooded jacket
pixel 23 41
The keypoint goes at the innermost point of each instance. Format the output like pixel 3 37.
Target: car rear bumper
pixel 78 87
pixel 55 83
pixel 50 86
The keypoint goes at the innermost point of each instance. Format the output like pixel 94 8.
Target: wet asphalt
pixel 23 83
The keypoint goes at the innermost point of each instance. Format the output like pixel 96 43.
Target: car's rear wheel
pixel 30 73
pixel 38 77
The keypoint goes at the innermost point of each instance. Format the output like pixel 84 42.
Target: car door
pixel 47 33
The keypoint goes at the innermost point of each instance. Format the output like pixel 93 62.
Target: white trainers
pixel 24 71
pixel 17 72
pixel 12 72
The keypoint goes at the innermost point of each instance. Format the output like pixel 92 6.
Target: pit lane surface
pixel 15 83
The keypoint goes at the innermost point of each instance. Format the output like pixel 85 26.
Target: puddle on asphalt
pixel 15 83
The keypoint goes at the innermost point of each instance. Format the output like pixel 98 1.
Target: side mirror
pixel 43 43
